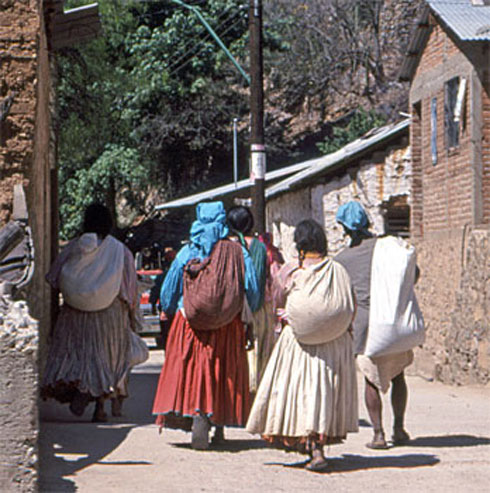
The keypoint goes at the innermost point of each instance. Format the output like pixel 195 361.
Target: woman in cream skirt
pixel 308 394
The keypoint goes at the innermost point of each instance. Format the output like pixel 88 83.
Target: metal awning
pixel 230 189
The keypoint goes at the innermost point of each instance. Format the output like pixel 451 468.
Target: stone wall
pixel 439 258
pixel 372 181
pixel 454 294
pixel 468 342
pixel 18 399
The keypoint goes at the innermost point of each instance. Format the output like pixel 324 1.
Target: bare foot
pixel 400 436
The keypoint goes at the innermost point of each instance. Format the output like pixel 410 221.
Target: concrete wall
pixel 372 182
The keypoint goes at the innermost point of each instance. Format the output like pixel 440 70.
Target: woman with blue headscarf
pixel 204 379
pixel 379 372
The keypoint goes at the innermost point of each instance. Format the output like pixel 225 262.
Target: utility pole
pixel 257 148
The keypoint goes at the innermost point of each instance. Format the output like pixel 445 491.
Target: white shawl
pixel 91 276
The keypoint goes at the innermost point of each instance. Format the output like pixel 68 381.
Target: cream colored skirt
pixel 307 390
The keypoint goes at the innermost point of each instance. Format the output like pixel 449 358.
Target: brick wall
pixel 486 145
pixel 447 186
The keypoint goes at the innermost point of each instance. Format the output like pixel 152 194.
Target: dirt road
pixel 450 451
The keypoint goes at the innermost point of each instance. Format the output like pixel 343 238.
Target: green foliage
pixel 151 101
pixel 361 122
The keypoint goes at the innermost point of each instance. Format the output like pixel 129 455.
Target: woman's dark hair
pixel 310 237
pixel 240 219
pixel 98 220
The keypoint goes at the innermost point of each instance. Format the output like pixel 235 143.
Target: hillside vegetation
pixel 146 111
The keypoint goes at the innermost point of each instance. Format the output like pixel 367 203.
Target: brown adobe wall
pixel 26 147
pixel 25 157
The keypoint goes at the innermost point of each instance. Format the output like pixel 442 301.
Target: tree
pixel 151 101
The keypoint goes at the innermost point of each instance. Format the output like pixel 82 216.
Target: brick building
pixel 448 65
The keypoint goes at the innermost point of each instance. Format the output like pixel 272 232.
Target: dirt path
pixel 450 451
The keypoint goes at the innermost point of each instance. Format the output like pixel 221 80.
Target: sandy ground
pixel 450 450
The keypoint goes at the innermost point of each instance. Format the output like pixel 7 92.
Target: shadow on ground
pixel 229 445
pixel 68 444
pixel 448 441
pixel 351 462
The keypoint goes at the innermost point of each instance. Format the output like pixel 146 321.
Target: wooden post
pixel 257 147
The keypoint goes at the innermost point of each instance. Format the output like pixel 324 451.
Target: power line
pixel 200 51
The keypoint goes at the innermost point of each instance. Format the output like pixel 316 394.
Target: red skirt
pixel 205 372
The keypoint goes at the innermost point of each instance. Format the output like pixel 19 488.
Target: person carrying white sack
pixel 307 397
pixel 388 322
pixel 93 346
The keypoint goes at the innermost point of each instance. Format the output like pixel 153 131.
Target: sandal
pixel 377 445
pixel 317 465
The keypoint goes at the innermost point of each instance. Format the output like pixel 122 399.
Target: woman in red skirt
pixel 204 380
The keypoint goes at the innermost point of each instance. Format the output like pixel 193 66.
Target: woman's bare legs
pixel 399 396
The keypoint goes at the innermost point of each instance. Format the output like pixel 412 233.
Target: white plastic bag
pixel 320 303
pixel 395 320
pixel 138 350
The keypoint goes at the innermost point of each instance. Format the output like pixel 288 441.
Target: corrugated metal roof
pixel 469 22
pixel 417 43
pixel 229 189
pixel 338 158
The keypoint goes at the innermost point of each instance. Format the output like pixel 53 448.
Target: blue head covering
pixel 353 216
pixel 209 227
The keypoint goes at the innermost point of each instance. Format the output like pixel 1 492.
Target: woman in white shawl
pixel 307 397
pixel 89 354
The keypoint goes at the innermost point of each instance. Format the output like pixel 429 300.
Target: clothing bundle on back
pixel 395 320
pixel 91 276
pixel 214 287
pixel 320 302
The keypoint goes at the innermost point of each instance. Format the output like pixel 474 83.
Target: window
pixel 396 212
pixel 452 112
